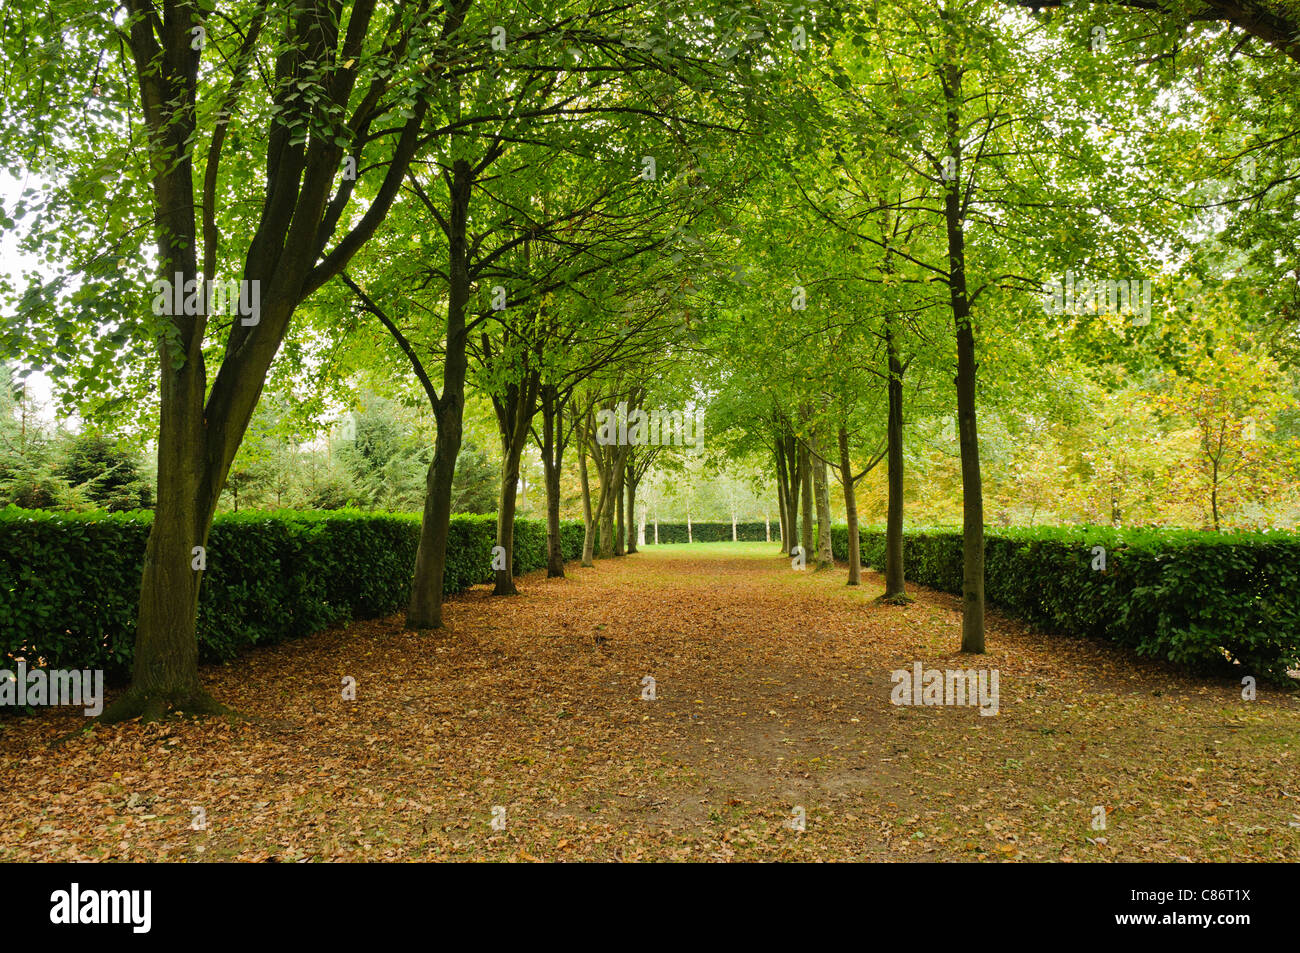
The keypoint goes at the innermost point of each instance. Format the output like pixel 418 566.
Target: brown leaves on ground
pixel 772 695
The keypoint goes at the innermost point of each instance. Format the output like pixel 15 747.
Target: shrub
pixel 711 532
pixel 69 583
pixel 1191 597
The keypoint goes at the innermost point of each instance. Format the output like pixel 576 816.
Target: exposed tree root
pixel 897 599
pixel 158 706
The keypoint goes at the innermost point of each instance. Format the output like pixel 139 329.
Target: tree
pixel 188 89
pixel 1231 399
pixel 107 471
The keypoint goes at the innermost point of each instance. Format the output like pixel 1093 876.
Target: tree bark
pixel 425 609
pixel 552 463
pixel 850 510
pixel 806 493
pixel 630 481
pixel 895 583
pixel 515 411
pixel 620 527
pixel 588 517
pixel 504 579
pixel 972 621
pixel 782 496
pixel 794 485
pixel 606 519
pixel 611 463
pixel 825 556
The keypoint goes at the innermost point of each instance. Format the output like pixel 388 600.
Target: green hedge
pixel 711 532
pixel 1183 595
pixel 69 583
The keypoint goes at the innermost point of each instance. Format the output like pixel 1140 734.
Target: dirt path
pixel 773 693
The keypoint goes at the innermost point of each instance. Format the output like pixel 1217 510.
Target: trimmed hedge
pixel 69 583
pixel 1183 595
pixel 711 532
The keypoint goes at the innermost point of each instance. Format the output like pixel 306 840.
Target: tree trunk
pixel 825 557
pixel 552 461
pixel 895 584
pixel 514 416
pixel 605 513
pixel 782 494
pixel 620 527
pixel 806 503
pixel 425 609
pixel 850 510
pixel 588 518
pixel 794 487
pixel 631 512
pixel 1214 494
pixel 505 578
pixel 972 621
pixel 165 672
pixel 166 666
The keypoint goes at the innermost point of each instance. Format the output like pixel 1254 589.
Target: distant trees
pixel 107 471
pixel 42 467
pixel 1231 405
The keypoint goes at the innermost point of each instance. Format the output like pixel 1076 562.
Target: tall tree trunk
pixel 782 495
pixel 552 461
pixel 166 673
pixel 620 524
pixel 505 578
pixel 850 510
pixel 794 488
pixel 895 584
pixel 972 620
pixel 514 416
pixel 425 609
pixel 630 482
pixel 825 556
pixel 588 517
pixel 605 518
pixel 806 503
pixel 611 463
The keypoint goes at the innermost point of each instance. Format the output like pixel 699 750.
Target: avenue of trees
pixel 966 261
